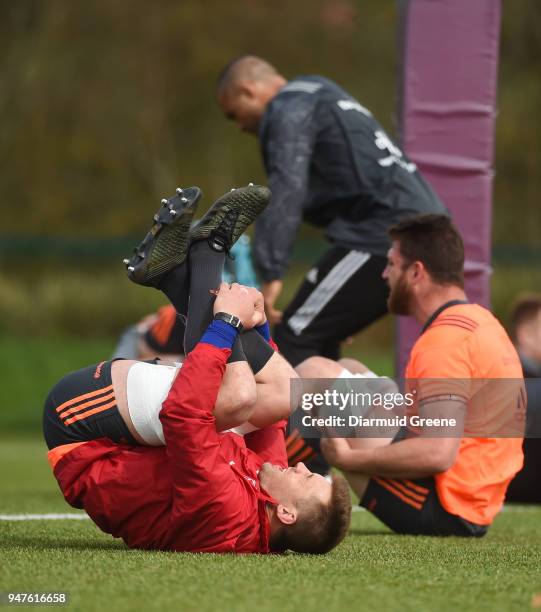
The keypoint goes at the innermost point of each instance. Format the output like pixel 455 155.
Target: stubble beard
pixel 399 299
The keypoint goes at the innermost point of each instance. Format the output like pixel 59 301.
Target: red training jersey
pixel 198 493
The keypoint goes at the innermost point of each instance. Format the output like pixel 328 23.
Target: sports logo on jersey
pixel 353 105
pixel 384 143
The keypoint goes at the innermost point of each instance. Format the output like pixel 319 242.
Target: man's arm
pixel 413 458
pixel 287 150
pixel 199 471
pixel 429 453
pixel 189 426
pixel 267 442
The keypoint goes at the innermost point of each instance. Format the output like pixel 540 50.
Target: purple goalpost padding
pixel 449 54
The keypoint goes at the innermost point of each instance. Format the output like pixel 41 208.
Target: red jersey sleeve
pixel 200 473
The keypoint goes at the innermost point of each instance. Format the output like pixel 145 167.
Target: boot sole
pixel 246 202
pixel 166 244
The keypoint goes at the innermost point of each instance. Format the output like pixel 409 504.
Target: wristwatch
pixel 229 318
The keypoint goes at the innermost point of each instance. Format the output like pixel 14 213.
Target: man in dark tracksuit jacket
pixel 330 163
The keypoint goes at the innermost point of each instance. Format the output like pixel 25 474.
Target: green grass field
pixel 372 570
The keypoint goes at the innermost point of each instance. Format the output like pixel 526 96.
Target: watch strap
pixel 229 318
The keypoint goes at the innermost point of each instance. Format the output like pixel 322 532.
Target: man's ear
pixel 521 335
pixel 286 516
pixel 247 88
pixel 417 271
pixel 525 337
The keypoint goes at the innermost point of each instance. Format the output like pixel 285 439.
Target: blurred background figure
pixel 525 330
pixel 158 335
pixel 526 333
pixel 330 163
pixel 239 268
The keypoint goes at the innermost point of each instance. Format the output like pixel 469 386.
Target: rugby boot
pixel 166 244
pixel 228 218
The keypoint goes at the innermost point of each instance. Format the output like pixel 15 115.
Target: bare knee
pixel 353 365
pixel 275 387
pixel 274 392
pixel 318 367
pixel 287 393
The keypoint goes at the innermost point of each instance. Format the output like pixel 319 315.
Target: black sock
pixel 176 287
pixel 206 266
pixel 257 350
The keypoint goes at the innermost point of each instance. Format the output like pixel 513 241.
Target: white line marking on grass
pixel 79 516
pixel 43 517
pixel 520 508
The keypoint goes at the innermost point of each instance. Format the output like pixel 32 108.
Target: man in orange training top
pixel 425 484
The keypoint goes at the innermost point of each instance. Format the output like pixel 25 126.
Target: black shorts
pixel 82 407
pixel 342 294
pixel 413 507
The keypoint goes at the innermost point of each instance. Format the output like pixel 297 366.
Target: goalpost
pixel 449 67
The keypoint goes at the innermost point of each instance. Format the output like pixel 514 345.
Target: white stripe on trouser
pixel 326 290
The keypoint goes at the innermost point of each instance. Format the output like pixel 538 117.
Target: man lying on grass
pixel 206 489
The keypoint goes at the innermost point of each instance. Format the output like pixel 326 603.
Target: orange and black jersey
pixel 464 345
